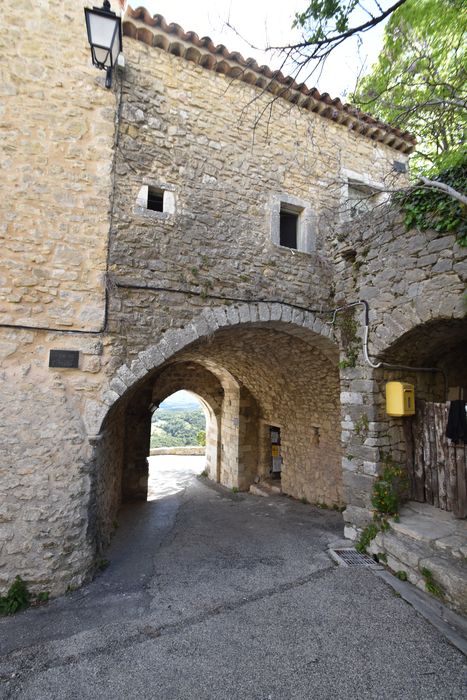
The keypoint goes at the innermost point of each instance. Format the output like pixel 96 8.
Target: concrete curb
pixel 449 623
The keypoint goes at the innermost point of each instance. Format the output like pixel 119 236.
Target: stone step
pixel 405 553
pixel 425 523
pixel 266 488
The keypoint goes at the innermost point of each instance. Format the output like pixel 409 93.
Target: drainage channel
pixel 350 557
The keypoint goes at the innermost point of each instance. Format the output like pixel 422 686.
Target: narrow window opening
pixel 155 199
pixel 288 233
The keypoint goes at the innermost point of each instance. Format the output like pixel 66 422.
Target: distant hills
pixel 181 401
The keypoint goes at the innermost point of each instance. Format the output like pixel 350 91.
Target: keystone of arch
pixel 175 339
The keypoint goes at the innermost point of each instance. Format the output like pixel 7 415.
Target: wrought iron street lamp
pixel 105 38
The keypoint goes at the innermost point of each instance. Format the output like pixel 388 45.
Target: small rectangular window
pixel 155 199
pixel 288 233
pixel 362 199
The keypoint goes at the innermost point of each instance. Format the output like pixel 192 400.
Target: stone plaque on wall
pixel 64 358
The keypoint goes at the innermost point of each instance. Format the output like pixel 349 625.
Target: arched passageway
pixel 252 379
pixel 178 443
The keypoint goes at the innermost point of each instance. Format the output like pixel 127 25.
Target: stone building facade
pixel 142 229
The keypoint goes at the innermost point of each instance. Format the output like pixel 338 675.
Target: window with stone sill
pixel 360 195
pixel 361 199
pixel 292 223
pixel 156 201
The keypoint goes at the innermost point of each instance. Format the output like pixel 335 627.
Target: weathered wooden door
pixel 437 468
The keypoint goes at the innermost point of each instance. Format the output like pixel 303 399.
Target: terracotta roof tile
pixel 204 52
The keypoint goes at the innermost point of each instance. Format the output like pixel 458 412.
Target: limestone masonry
pixel 146 228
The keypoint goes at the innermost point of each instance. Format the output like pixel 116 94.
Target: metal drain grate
pixel 349 557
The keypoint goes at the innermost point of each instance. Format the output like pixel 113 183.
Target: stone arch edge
pixel 175 339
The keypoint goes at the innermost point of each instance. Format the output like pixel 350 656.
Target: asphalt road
pixel 214 595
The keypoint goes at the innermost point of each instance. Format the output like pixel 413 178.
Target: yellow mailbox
pixel 400 399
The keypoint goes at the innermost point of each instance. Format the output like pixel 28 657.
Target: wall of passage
pixel 295 387
pixel 108 469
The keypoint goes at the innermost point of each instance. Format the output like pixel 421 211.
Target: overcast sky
pixel 262 23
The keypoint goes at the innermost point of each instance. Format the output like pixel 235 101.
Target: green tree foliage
pixel 428 207
pixel 418 82
pixel 176 428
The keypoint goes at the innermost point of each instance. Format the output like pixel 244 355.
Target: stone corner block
pixel 109 397
pixel 201 327
pixel 209 316
pixel 244 313
pixel 287 314
pixel 350 533
pixel 220 316
pixel 254 313
pixel 138 369
pixel 298 317
pixel 357 517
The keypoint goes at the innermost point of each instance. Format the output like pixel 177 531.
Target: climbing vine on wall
pixel 348 327
pixel 427 207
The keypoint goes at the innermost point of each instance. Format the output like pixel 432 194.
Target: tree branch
pixel 337 38
pixel 444 188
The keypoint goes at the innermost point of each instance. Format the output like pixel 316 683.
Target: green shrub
pixel 16 599
pixel 388 488
pixel 368 534
pixel 430 583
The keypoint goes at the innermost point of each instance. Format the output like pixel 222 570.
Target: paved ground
pixel 213 595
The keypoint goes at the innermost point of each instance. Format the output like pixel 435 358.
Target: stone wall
pixel 196 134
pixel 57 129
pixel 57 125
pixel 45 470
pixel 109 470
pixel 414 282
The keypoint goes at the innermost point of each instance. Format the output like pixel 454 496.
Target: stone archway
pixel 436 471
pixel 253 374
pixel 301 323
pixel 207 388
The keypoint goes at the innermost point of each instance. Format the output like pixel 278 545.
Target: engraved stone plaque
pixel 64 358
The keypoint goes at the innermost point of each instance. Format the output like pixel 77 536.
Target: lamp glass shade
pixel 104 37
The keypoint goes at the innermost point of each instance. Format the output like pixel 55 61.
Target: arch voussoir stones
pixel 244 313
pixel 233 317
pixel 264 311
pixel 276 312
pixel 220 315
